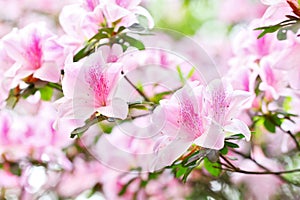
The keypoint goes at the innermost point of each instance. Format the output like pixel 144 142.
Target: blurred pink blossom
pixel 36 52
pixel 81 21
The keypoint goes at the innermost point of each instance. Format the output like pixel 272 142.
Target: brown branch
pixel 258 164
pixel 260 173
pixel 228 162
pixel 293 137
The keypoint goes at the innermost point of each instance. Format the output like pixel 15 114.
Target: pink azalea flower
pixel 289 60
pixel 274 81
pixel 183 124
pixel 222 105
pixel 89 88
pixel 11 180
pixel 198 115
pixel 35 52
pixel 247 10
pixel 5 62
pixel 32 136
pixel 276 12
pixel 129 144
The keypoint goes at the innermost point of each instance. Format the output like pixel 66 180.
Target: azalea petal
pixel 239 100
pixel 71 71
pixel 114 12
pixel 294 79
pixel 49 71
pixel 142 11
pixel 169 153
pixel 166 112
pixel 213 138
pixel 237 126
pixel 117 109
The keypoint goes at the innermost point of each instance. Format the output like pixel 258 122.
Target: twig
pixel 258 164
pixel 260 173
pixel 250 158
pixel 79 131
pixel 139 91
pixel 293 138
pixel 228 162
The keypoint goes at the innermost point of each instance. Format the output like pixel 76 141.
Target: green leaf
pixel 100 35
pixel 139 107
pixel 124 188
pixel 87 50
pixel 122 28
pixel 212 168
pixel 224 150
pixel 15 169
pixel 276 120
pixel 126 41
pixel 269 125
pixel 140 86
pixel 106 128
pixel 235 137
pixel 159 96
pixel 268 29
pixel 30 90
pixel 46 93
pixel 187 173
pixel 258 120
pixel 231 145
pixel 93 191
pixel 154 175
pixel 180 172
pixel 88 123
pixel 91 44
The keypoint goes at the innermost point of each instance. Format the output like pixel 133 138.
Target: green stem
pixel 139 91
pixel 79 131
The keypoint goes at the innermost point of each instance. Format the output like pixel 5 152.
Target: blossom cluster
pixel 102 105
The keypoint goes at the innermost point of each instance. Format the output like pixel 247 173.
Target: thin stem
pixel 139 91
pixel 260 173
pixel 228 162
pixel 138 116
pixel 250 158
pixel 79 131
pixel 225 164
pixel 258 164
pixel 293 138
pixel 288 132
